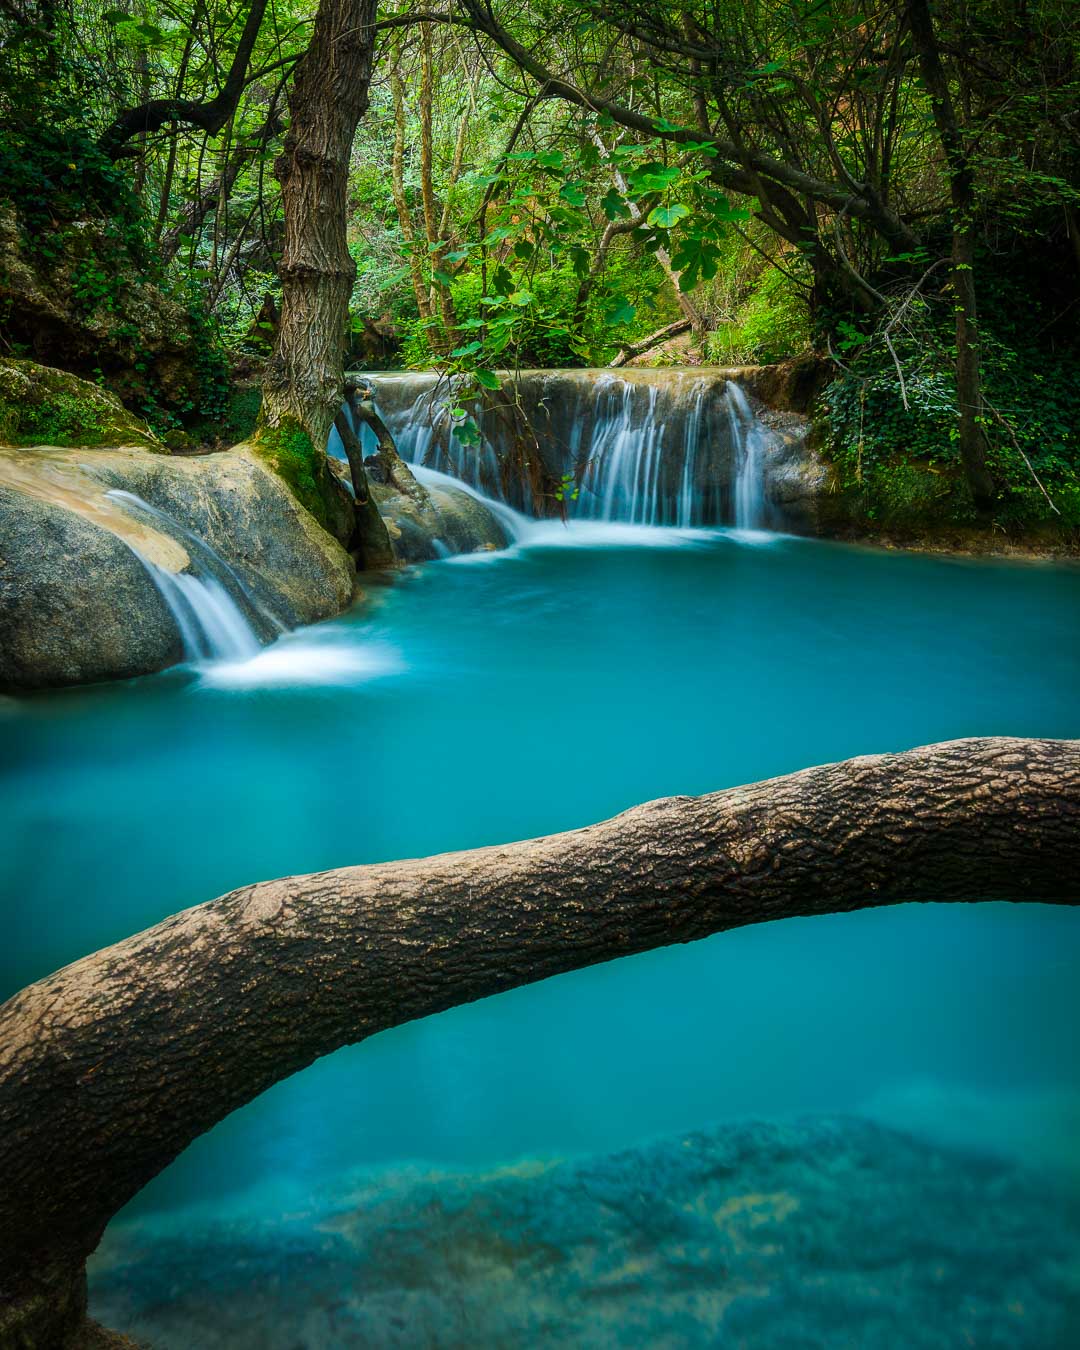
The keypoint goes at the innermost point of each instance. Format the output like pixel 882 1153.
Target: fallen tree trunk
pixel 646 344
pixel 110 1067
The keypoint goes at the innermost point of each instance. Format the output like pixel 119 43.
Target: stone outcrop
pixel 455 522
pixel 127 326
pixel 40 404
pixel 77 605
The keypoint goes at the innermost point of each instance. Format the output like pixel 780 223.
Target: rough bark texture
pixel 372 541
pixel 110 1067
pixel 303 382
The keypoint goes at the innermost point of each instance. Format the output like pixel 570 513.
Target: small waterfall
pixel 209 618
pixel 681 448
pixel 750 439
pixel 515 525
pixel 642 459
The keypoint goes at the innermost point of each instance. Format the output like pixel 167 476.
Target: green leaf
pixel 665 217
pixel 573 194
pixel 468 433
pixel 653 177
pixel 467 350
pixel 443 278
pixel 488 379
pixel 620 310
pixel 613 205
pixel 521 298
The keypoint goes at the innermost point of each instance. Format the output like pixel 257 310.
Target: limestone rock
pixel 455 523
pixel 77 605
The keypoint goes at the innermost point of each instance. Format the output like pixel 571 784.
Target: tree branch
pixel 211 116
pixel 112 1066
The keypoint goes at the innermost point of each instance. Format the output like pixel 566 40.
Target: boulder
pixel 78 605
pixel 41 404
pixel 455 522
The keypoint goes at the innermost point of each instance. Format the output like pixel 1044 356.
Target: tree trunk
pixel 112 1066
pixel 445 341
pixel 302 387
pixel 394 470
pixel 962 274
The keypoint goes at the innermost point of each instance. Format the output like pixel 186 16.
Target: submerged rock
pixel 833 1234
pixel 77 605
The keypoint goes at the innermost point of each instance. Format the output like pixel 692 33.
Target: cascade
pixel 676 448
pixel 206 606
pixel 750 439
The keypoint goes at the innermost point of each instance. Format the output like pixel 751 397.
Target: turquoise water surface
pixel 501 696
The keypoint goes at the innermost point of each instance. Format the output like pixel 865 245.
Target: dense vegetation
pixel 894 186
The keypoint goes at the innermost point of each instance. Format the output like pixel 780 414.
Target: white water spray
pixel 750 440
pixel 683 450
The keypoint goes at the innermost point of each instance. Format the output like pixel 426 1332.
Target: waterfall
pixel 681 448
pixel 642 458
pixel 750 440
pixel 206 607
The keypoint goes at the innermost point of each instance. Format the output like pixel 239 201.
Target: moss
pixel 40 405
pixel 288 450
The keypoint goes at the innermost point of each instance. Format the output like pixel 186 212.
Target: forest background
pixel 890 191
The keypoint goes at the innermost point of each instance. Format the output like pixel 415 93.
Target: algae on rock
pixel 40 405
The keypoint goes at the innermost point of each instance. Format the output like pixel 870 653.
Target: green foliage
pixel 904 464
pixel 210 360
pixel 771 323
pixel 288 450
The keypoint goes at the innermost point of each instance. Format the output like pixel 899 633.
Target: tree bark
pixel 371 540
pixel 962 273
pixel 112 1066
pixel 302 387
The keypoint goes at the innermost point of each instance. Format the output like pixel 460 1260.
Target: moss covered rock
pixel 288 451
pixel 40 405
